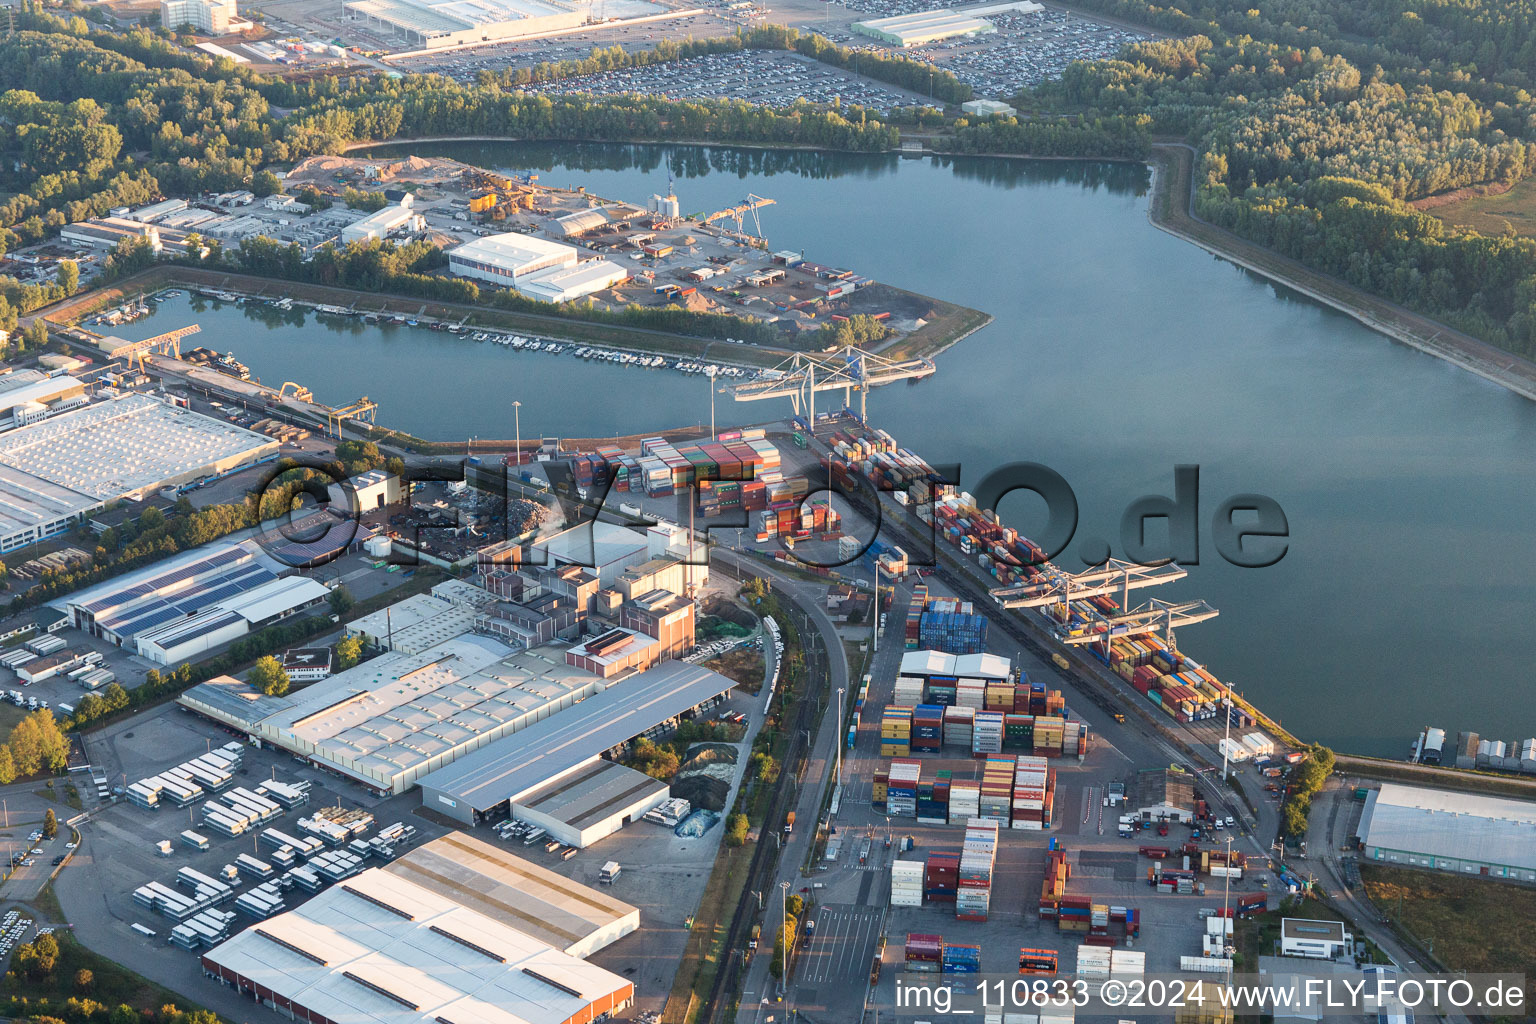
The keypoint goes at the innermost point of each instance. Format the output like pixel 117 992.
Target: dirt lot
pixel 744 665
pixel 1487 209
pixel 1477 924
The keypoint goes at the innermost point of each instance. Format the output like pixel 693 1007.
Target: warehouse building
pixel 591 803
pixel 27 396
pixel 431 24
pixel 987 108
pixel 57 470
pixel 1163 794
pixel 615 651
pixel 923 27
pixel 383 223
pixel 229 618
pixel 503 259
pixel 987 668
pixel 123 608
pixel 573 918
pixel 1466 833
pixel 566 284
pixel 604 549
pixel 483 785
pixel 390 721
pixel 380 948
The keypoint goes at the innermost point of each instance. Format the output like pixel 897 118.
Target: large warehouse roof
pixel 393 718
pixel 1465 826
pixel 127 445
pixel 548 750
pixel 512 249
pixel 564 914
pixel 138 603
pixel 381 949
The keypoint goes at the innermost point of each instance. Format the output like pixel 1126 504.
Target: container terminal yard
pixel 983 763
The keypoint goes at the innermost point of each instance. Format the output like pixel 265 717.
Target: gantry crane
pixel 1114 577
pixel 1155 615
pixel 750 205
pixel 362 409
pixel 133 352
pixel 799 377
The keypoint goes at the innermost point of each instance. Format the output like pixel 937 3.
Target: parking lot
pixel 770 77
pixel 1026 50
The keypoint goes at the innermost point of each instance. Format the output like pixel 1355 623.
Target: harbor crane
pixel 799 377
pixel 750 205
pixel 1155 615
pixel 298 392
pixel 1114 577
pixel 363 409
pixel 133 352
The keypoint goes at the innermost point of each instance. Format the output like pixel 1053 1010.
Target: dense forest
pixel 1316 125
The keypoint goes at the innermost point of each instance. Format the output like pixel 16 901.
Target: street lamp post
pixel 784 934
pixel 709 376
pixel 1226 705
pixel 517 426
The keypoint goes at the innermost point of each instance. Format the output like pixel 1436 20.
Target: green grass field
pixel 1478 925
pixel 1490 215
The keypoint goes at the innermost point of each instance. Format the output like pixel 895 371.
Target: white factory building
pixel 447 933
pixel 923 27
pixel 596 801
pixel 432 24
pixel 537 267
pixel 27 396
pixel 987 108
pixel 216 17
pixel 1315 940
pixel 184 607
pixel 1467 833
pixel 57 470
pixel 399 218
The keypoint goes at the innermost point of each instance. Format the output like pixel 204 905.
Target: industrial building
pixel 614 651
pixel 398 218
pixel 228 618
pixel 367 491
pixel 390 721
pixel 592 803
pixel 57 470
pixel 153 604
pixel 487 782
pixel 573 918
pixel 928 665
pixel 503 259
pixel 987 108
pixel 923 27
pixel 431 24
pixel 1467 833
pixel 380 948
pixel 565 284
pixel 422 621
pixel 216 17
pixel 27 396
pixel 605 549
pixel 1163 794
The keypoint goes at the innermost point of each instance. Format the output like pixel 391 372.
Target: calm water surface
pixel 1118 351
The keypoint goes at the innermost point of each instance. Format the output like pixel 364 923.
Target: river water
pixel 1118 351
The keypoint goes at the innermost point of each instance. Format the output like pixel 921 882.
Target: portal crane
pixel 750 205
pixel 133 352
pixel 1155 615
pixel 1113 577
pixel 362 409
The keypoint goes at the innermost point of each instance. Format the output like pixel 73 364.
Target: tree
pixel 341 600
pixel 267 675
pixel 736 830
pixel 7 767
pixel 349 651
pixel 85 980
pixel 50 824
pixel 69 276
pixel 265 183
pixel 36 334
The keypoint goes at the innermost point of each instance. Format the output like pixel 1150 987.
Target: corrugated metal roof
pixel 381 949
pixel 1463 826
pixel 510 767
